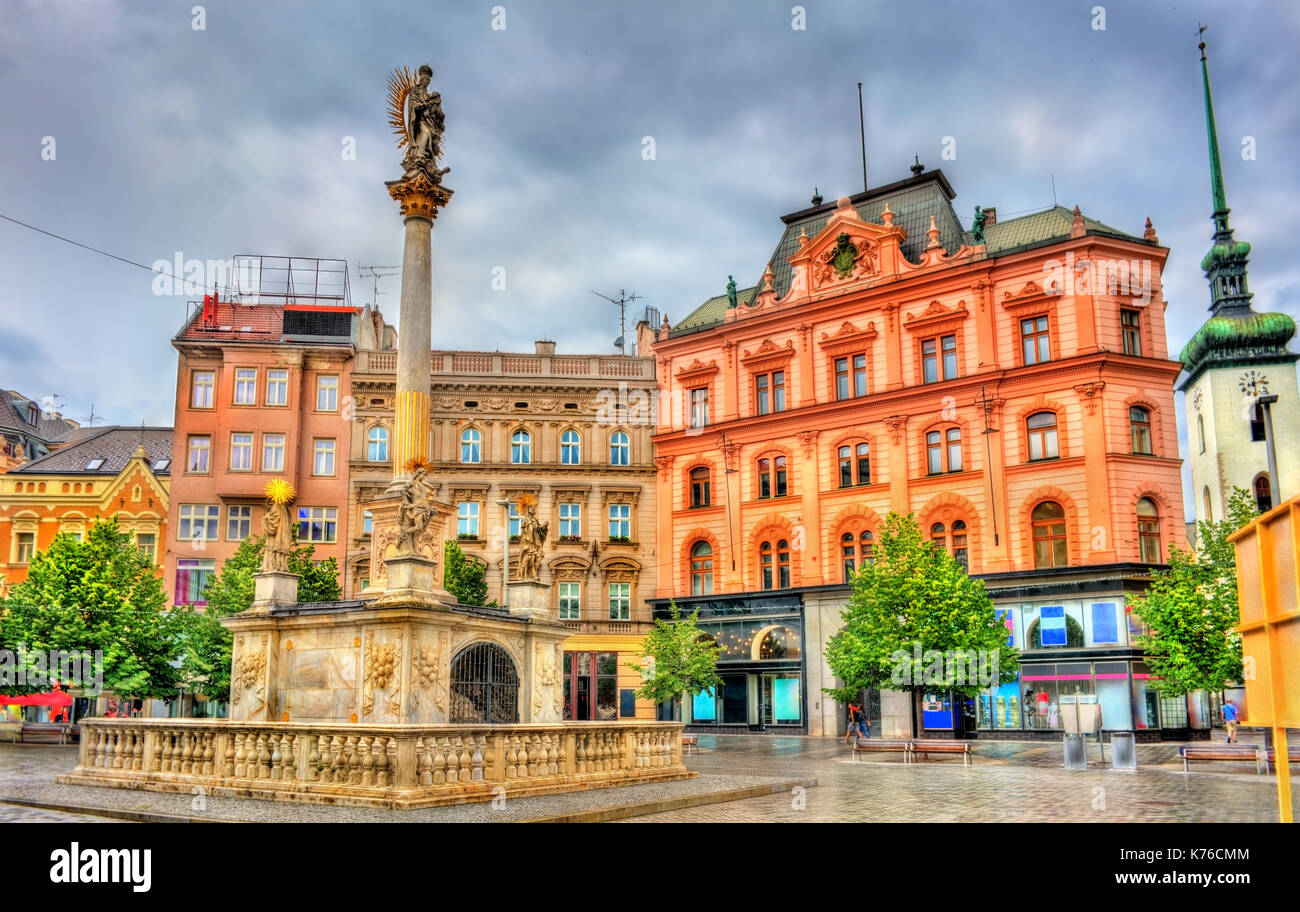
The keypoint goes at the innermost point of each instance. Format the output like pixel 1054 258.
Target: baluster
pixel 313 761
pixel 381 761
pixel 366 761
pixel 466 760
pixel 561 763
pixel 390 751
pixel 423 764
pixel 277 758
pixel 240 770
pixel 119 747
pixel 209 754
pixel 336 756
pixel 351 772
pixel 512 756
pixel 580 751
pixel 439 772
pixel 452 747
pixel 263 757
pixel 187 752
pixel 476 761
pixel 137 758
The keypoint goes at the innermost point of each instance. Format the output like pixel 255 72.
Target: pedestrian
pixel 1230 720
pixel 858 727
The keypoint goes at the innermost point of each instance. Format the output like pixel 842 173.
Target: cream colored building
pixel 573 430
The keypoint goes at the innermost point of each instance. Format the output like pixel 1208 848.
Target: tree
pixel 1191 608
pixel 917 621
pixel 206 645
pixel 464 577
pixel 99 595
pixel 685 658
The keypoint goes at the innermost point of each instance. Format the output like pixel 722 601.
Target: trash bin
pixel 1123 751
pixel 1076 751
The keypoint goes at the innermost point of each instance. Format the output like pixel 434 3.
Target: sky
pixel 153 130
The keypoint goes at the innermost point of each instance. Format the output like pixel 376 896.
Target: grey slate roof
pixel 112 444
pixel 46 429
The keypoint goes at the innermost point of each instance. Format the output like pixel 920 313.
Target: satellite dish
pixel 618 343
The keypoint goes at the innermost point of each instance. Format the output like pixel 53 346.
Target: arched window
pixel 471 446
pixel 1048 530
pixel 952 540
pixel 774 564
pixel 1042 436
pixel 772 476
pixel 943 451
pixel 1205 496
pixel 620 450
pixel 1200 431
pixel 1148 531
pixel 700 494
pixel 776 643
pixel 855 465
pixel 377 445
pixel 570 448
pixel 1263 492
pixel 701 568
pixel 855 546
pixel 521 447
pixel 1139 420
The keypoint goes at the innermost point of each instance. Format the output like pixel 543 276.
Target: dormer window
pixel 94 464
pixel 33 414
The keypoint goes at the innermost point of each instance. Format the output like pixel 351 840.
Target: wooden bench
pixel 943 747
pixel 1292 753
pixel 46 732
pixel 1239 754
pixel 868 746
pixel 690 744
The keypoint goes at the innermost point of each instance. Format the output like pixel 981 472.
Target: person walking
pixel 858 727
pixel 1229 711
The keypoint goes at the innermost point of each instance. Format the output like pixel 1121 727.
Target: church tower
pixel 1234 359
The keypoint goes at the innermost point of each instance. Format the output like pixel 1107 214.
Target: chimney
pixel 990 216
pixel 544 347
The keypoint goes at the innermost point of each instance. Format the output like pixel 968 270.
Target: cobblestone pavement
pixel 1007 782
pixel 13 813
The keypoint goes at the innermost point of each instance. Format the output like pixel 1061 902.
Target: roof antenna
pixel 1053 177
pixel 623 299
pixel 862 126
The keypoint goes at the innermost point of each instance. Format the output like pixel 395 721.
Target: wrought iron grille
pixel 484 686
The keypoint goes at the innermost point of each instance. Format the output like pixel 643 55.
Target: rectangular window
pixel 949 346
pixel 239 522
pixel 769 392
pixel 1130 326
pixel 841 378
pixel 277 387
pixel 620 601
pixel 318 524
pixel 699 407
pixel 198 522
pixel 202 384
pixel 147 543
pixel 192 577
pixel 327 393
pixel 272 452
pixel 241 452
pixel 323 457
pixel 929 361
pixel 512 512
pixel 245 386
pixel 933 453
pixel 954 450
pixel 570 601
pixel 467 519
pixel 570 520
pixel 199 449
pixel 859 375
pixel 1034 340
pixel 761 393
pixel 26 547
pixel 620 521
pixel 939 359
pixel 367 522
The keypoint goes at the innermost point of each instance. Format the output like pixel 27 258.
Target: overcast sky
pixel 228 139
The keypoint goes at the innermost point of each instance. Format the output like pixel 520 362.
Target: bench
pixel 690 744
pixel 1239 754
pixel 867 746
pixel 46 732
pixel 943 747
pixel 1292 753
pixel 13 729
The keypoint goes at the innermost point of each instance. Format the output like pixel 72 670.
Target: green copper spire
pixel 1216 167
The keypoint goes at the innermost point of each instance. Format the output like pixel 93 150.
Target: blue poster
pixel 1004 615
pixel 1104 629
pixel 704 707
pixel 785 700
pixel 1051 625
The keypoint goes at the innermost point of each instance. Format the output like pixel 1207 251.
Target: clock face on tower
pixel 1253 384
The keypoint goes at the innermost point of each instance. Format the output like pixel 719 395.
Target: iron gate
pixel 484 686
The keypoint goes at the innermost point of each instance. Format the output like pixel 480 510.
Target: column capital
pixel 419 196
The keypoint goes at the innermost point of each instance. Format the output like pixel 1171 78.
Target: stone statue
pixel 977 227
pixel 532 535
pixel 731 291
pixel 414 513
pixel 415 114
pixel 279 541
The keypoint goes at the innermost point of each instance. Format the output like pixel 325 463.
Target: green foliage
pixel 101 594
pixel 464 577
pixel 913 602
pixel 685 658
pixel 206 645
pixel 1191 608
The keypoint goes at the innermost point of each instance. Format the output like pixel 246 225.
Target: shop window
pixel 1062 630
pixel 777 643
pixel 701 568
pixel 854 464
pixel 1042 436
pixel 1148 520
pixel 700 483
pixel 591 686
pixel 1047 525
pixel 1173 711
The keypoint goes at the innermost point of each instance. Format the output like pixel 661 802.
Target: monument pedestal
pixel 273 589
pixel 406 579
pixel 529 599
pixel 410 583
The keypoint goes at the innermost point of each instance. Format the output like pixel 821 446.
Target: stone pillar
pixel 273 589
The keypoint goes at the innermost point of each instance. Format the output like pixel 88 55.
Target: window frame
pixel 475 445
pixel 210 386
pixel 697 398
pixel 700 488
pixel 621 522
pixel 327 519
pixel 468 515
pixel 1148 527
pixel 1130 331
pixel 700 568
pixel 241 383
pixel 570 449
pixel 571 521
pixel 332 389
pixel 187 515
pixel 773 481
pixel 521 447
pixel 770 391
pixel 1050 535
pixel 191 449
pixel 246 517
pixel 620 448
pixel 774 564
pixel 1042 339
pixel 1140 431
pixel 573 611
pixel 318 451
pixel 245 447
pixel 381 443
pixel 278 383
pixel 1044 434
pixel 853 462
pixel 622 611
pixel 268 448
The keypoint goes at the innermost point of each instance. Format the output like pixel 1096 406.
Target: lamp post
pixel 1275 488
pixel 505 569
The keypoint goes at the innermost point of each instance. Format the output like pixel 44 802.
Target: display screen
pixel 785 699
pixel 704 707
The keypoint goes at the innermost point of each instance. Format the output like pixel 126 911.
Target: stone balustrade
pixel 400 766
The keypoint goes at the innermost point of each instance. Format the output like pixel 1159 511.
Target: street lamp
pixel 1275 487
pixel 505 570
